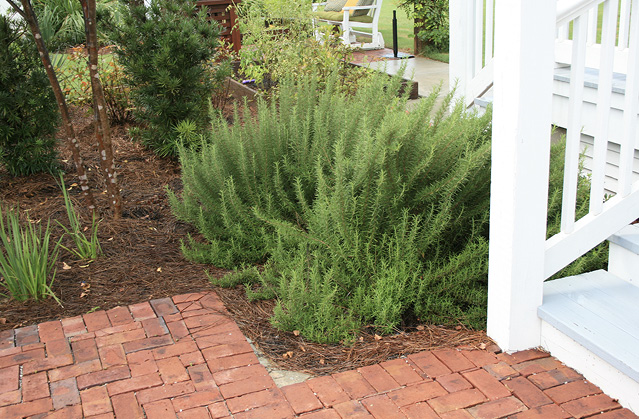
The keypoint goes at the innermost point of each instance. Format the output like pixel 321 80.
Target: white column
pixel 524 45
pixel 461 59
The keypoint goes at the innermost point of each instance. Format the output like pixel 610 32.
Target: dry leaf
pixel 296 332
pixel 378 337
pixel 159 270
pixel 321 361
pixel 287 355
pixel 84 294
pixel 3 320
pixel 302 348
pixel 482 346
pixel 74 184
pixel 65 266
pixel 420 327
pixel 110 239
pixel 361 339
pixel 458 328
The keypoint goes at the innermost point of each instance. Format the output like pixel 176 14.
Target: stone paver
pixel 184 357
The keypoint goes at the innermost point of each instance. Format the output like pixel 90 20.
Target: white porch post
pixel 462 21
pixel 524 45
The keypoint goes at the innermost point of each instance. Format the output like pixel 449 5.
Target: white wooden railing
pixel 471 47
pixel 529 39
pixel 604 218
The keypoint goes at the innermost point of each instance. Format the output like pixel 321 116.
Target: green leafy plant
pixel 85 247
pixel 165 48
pixel 363 213
pixel 279 43
pixel 28 112
pixel 62 24
pixel 74 75
pixel 27 264
pixel 431 22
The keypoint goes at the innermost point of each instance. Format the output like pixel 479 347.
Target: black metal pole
pixel 395 48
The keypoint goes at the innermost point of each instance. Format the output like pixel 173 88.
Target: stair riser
pixel 624 264
pixel 611 381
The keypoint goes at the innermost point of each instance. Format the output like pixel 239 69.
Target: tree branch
pixel 17 9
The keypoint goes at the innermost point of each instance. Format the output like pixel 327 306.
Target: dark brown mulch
pixel 142 260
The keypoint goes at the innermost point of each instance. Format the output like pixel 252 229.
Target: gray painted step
pixel 591 79
pixel 628 238
pixel 599 311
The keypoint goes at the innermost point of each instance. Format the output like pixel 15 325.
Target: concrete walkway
pixel 426 72
pixel 186 357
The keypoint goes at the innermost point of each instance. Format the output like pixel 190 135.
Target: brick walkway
pixel 185 357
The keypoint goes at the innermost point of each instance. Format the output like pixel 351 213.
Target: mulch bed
pixel 142 261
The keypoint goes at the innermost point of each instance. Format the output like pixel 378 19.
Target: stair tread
pixel 628 238
pixel 591 78
pixel 601 312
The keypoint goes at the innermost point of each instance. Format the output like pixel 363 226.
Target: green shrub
pixel 28 111
pixel 74 75
pixel 62 23
pixel 280 40
pixel 431 21
pixel 164 51
pixel 366 214
pixel 27 266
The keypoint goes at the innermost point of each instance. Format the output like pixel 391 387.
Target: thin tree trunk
pixel 72 141
pixel 102 126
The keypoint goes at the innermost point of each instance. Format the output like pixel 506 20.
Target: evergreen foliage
pixel 365 214
pixel 28 112
pixel 164 50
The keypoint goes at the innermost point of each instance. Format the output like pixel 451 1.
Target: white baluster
pixel 490 28
pixel 573 131
pixel 479 36
pixel 604 94
pixel 592 25
pixel 628 142
pixel 624 24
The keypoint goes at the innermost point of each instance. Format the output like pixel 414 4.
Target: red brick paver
pixel 183 357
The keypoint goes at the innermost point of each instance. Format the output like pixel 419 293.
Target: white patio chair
pixel 350 24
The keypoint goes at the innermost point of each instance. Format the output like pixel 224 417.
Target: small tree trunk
pixel 102 126
pixel 72 142
pixel 418 44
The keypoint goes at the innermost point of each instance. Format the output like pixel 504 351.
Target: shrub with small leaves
pixel 28 111
pixel 74 76
pixel 364 213
pixel 165 48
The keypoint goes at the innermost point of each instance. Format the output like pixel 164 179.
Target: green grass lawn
pixel 404 26
pixel 405 37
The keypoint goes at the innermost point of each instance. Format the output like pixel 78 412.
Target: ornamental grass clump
pixel 27 263
pixel 362 214
pixel 87 247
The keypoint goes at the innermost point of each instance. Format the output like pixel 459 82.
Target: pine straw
pixel 142 260
pixel 294 353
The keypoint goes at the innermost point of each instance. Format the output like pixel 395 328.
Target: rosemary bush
pixel 364 213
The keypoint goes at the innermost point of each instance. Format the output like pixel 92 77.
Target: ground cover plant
pixel 377 218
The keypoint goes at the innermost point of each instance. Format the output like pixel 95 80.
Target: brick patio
pixel 186 357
